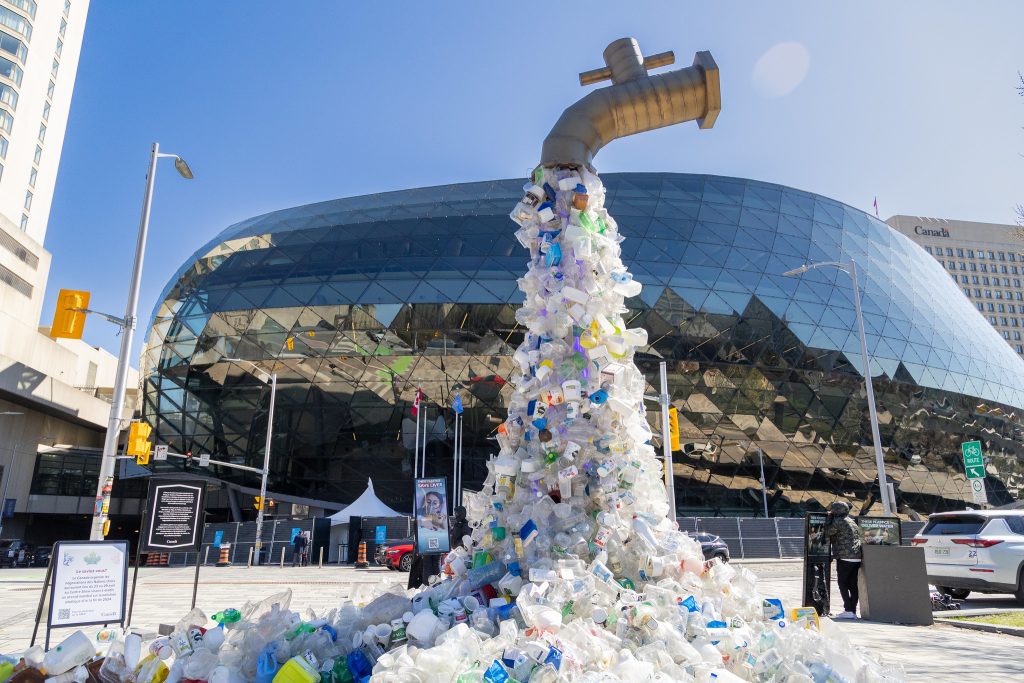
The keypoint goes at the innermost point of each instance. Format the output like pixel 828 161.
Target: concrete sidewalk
pixel 936 654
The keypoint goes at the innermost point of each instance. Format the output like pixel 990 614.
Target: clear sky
pixel 277 104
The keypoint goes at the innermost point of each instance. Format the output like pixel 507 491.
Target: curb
pixel 988 628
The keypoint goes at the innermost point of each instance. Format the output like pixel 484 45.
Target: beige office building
pixel 985 259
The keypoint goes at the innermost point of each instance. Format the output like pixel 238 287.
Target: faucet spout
pixel 634 103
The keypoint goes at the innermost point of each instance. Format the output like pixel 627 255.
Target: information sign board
pixel 204 459
pixel 160 453
pixel 173 512
pixel 90 583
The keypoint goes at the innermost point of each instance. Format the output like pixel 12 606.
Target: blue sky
pixel 280 104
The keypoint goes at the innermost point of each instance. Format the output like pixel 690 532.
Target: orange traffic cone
pixel 361 562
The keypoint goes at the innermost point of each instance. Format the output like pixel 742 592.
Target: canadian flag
pixel 416 403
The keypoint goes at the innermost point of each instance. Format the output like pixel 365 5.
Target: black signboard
pixel 174 515
pixel 879 530
pixel 817 563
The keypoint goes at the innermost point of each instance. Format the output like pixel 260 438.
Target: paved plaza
pixel 935 653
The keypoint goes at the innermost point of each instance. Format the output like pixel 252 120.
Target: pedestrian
pixel 307 549
pixel 844 535
pixel 299 548
pixel 459 528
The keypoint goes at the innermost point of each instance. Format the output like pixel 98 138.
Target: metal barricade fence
pixel 760 538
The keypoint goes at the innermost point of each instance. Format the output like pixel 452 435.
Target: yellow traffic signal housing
pixel 69 323
pixel 139 444
pixel 673 428
pixel 257 502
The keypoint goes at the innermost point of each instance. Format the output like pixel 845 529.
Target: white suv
pixel 975 550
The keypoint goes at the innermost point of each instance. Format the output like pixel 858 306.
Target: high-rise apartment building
pixel 40 42
pixel 52 393
pixel 986 260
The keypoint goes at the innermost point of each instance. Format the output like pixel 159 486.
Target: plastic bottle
pixel 74 650
pixel 485 575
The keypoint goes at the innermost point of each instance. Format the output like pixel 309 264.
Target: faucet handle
pixel 605 72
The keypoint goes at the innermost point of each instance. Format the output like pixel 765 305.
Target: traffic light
pixel 139 444
pixel 673 428
pixel 68 322
pixel 257 502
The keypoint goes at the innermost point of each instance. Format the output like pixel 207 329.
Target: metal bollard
pixel 250 557
pixel 321 557
pixel 282 557
pixel 206 557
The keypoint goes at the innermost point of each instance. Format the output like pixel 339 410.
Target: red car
pixel 398 556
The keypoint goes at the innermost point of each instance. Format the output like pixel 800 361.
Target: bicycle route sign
pixel 974 465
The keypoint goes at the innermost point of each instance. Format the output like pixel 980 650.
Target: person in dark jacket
pixel 299 555
pixel 459 528
pixel 844 535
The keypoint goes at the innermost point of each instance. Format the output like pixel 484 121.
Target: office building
pixel 355 303
pixel 986 260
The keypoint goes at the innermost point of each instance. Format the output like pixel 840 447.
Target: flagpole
pixel 416 445
pixel 459 490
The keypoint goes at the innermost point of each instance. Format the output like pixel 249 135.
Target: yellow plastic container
pixel 297 670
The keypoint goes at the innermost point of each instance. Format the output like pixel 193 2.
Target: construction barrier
pixel 361 562
pixel 225 555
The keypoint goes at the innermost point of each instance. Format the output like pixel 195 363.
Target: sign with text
pixel 380 535
pixel 90 583
pixel 431 516
pixel 204 459
pixel 160 453
pixel 974 464
pixel 173 514
pixel 978 492
pixel 879 530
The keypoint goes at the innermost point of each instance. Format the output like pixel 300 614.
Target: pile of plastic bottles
pixel 573 571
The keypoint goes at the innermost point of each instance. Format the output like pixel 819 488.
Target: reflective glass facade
pixel 356 302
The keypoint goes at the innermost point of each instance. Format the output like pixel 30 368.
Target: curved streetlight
pixel 127 324
pixel 850 268
pixel 271 380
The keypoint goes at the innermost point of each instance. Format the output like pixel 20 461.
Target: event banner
pixel 174 512
pixel 432 516
pixel 90 583
pixel 879 530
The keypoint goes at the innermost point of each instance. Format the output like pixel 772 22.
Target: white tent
pixel 366 505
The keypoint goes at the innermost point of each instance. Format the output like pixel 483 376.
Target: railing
pixel 760 538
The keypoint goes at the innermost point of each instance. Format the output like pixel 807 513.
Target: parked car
pixel 974 550
pixel 398 555
pixel 41 557
pixel 713 546
pixel 15 553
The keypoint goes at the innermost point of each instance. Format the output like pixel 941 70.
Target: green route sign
pixel 973 463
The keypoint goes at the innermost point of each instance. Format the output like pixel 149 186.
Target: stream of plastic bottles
pixel 574 570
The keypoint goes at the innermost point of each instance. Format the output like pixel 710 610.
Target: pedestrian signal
pixel 257 502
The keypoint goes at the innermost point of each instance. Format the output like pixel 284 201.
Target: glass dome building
pixel 354 303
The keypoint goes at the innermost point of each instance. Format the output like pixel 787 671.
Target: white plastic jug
pixel 76 649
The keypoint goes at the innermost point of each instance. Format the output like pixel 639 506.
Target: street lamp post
pixel 270 379
pixel 850 268
pixel 106 478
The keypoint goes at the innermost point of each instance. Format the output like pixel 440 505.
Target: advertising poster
pixel 174 512
pixel 90 583
pixel 815 538
pixel 432 516
pixel 879 530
